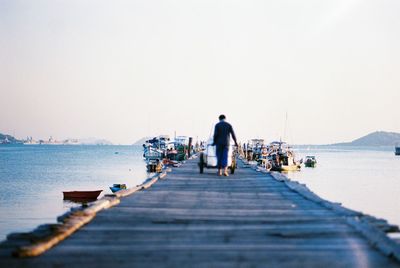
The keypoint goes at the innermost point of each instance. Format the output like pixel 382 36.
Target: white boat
pixel 156 147
pixel 282 157
pixel 152 153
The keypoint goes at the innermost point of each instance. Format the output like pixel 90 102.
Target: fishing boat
pixel 154 166
pixel 172 154
pixel 156 147
pixel 287 168
pixel 282 157
pixel 91 195
pixel 252 150
pixel 169 162
pixel 151 153
pixel 310 161
pixel 182 146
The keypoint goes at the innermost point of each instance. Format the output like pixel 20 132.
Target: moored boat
pixel 156 147
pixel 154 166
pixel 310 161
pixel 92 195
pixel 286 168
pixel 282 157
pixel 117 187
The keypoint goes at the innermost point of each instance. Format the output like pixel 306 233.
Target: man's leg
pixel 225 160
pixel 219 153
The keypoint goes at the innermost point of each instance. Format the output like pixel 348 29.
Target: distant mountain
pixel 8 139
pixel 378 138
pixel 4 138
pixel 142 140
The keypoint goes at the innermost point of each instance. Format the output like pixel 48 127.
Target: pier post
pixel 190 146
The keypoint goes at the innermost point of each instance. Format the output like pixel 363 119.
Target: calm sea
pixel 363 179
pixel 33 177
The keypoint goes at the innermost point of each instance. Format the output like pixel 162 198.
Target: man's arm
pixel 233 136
pixel 215 135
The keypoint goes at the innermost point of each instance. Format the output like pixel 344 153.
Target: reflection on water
pixel 364 180
pixel 33 179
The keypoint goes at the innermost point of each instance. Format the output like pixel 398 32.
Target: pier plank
pixel 189 219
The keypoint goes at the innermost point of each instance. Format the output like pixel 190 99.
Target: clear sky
pixel 121 70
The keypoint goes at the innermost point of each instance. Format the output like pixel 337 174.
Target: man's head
pixel 222 117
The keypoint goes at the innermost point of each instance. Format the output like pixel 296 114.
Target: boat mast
pixel 285 127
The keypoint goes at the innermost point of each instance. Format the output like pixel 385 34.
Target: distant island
pixel 8 139
pixel 377 138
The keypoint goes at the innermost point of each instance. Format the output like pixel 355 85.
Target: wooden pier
pixel 249 219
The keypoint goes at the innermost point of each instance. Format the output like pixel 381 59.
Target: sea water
pixel 33 178
pixel 365 179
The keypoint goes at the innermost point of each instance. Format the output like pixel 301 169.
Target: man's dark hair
pixel 222 117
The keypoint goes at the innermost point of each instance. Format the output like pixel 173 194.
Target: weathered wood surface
pixel 189 219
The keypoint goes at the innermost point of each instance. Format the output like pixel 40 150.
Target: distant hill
pixel 142 140
pixel 8 138
pixel 378 138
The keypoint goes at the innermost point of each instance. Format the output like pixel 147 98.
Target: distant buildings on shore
pixel 51 141
pixel 7 139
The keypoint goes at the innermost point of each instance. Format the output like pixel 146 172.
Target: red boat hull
pixel 82 194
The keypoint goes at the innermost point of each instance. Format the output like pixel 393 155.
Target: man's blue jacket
pixel 222 133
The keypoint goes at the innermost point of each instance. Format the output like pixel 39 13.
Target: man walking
pixel 222 132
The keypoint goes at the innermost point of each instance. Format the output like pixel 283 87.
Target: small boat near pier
pixel 282 157
pixel 81 195
pixel 310 161
pixel 117 187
